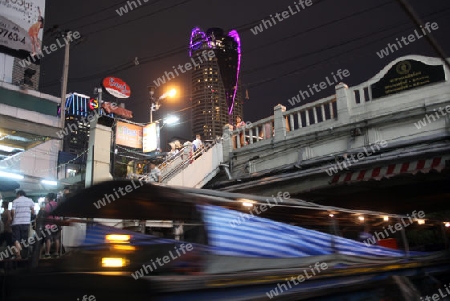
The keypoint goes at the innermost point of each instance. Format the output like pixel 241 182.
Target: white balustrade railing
pixel 310 114
pixel 251 133
pixel 348 107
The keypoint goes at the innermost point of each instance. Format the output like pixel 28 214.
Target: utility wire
pixel 322 25
pixel 160 56
pixel 178 50
pixel 295 71
pixel 92 14
pixel 293 58
pixel 129 21
pixel 415 18
pixel 141 17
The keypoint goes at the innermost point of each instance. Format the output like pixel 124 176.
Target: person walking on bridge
pixel 155 173
pixel 197 143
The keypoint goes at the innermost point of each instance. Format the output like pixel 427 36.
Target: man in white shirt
pixel 197 143
pixel 22 208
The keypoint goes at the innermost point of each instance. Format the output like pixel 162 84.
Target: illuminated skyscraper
pixel 216 94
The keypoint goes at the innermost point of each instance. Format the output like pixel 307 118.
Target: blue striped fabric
pixel 261 237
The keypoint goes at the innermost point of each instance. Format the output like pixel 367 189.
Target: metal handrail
pixel 185 163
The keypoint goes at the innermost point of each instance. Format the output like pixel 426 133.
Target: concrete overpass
pixel 29 145
pixel 383 143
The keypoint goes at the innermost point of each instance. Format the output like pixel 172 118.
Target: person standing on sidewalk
pixel 50 205
pixel 6 235
pixel 22 209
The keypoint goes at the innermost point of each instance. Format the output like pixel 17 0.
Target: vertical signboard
pixel 150 138
pixel 129 135
pixel 21 27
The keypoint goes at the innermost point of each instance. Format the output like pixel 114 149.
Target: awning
pixel 391 170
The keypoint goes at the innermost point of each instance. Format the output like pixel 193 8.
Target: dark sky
pixel 276 63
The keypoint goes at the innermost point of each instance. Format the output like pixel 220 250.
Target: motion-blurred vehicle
pixel 152 242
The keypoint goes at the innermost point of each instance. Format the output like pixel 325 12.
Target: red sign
pixel 116 87
pixel 110 108
pixel 93 104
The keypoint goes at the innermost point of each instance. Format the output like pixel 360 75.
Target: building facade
pixel 209 95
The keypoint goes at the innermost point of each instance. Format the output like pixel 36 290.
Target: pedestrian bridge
pixel 392 130
pixel 193 169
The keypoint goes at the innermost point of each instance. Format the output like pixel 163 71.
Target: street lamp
pixel 155 104
pixel 171 93
pixel 171 120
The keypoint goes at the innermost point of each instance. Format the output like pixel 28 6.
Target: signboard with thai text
pixel 116 87
pixel 129 135
pixel 407 75
pixel 150 138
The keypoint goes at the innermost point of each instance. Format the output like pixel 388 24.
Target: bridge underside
pixel 402 193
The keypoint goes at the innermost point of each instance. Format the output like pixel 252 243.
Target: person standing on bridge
pixel 240 125
pixel 197 143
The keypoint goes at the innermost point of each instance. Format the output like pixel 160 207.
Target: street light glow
pixel 9 149
pixel 10 175
pixel 172 93
pixel 171 120
pixel 48 182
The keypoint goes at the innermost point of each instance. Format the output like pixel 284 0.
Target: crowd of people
pixel 21 218
pixel 190 151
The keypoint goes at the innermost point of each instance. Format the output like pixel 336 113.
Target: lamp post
pixel 155 104
pixel 151 92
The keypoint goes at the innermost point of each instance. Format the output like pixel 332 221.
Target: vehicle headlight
pixel 117 238
pixel 114 262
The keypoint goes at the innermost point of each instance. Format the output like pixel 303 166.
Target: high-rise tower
pixel 216 95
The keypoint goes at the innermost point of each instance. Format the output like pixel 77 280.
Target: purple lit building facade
pixel 217 97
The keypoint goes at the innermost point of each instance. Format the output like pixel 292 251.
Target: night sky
pixel 299 51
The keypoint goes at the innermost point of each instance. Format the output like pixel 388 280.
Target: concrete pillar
pixel 227 143
pixel 99 154
pixel 279 123
pixel 344 103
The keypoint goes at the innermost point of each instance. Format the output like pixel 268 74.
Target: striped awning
pixel 391 170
